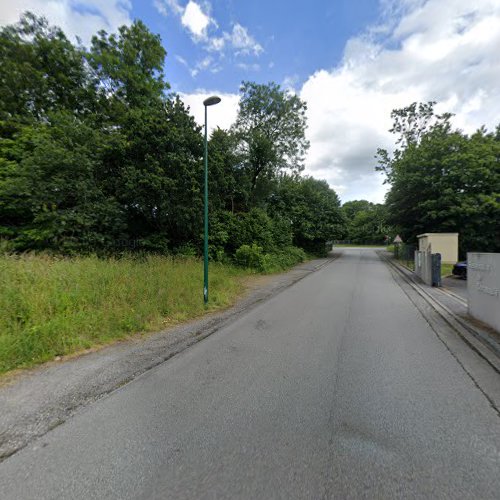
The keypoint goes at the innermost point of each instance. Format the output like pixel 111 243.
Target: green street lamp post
pixel 210 101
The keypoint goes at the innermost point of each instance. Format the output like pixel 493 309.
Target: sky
pixel 352 61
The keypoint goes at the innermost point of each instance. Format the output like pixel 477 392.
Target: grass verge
pixel 410 264
pixel 446 270
pixel 52 306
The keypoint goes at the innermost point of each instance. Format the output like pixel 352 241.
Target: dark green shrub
pixel 252 227
pixel 252 257
pixel 221 228
pixel 282 232
pixel 282 260
pixel 249 256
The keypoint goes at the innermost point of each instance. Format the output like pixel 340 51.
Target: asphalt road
pixel 335 388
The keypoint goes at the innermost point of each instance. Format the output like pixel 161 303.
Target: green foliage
pixel 351 208
pixel 254 226
pixel 366 222
pixel 312 209
pixel 443 180
pixel 253 257
pixel 127 69
pixel 270 130
pixel 282 231
pixel 159 174
pixel 97 157
pixel 250 256
pixel 282 260
pixel 229 231
pixel 61 204
pixel 228 185
pixel 40 71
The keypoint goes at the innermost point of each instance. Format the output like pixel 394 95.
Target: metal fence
pixel 405 253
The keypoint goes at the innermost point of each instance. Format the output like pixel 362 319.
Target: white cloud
pixel 249 67
pixel 181 60
pixel 164 7
pixel 242 41
pixel 204 64
pixel 76 18
pixel 195 20
pixel 222 115
pixel 160 7
pixel 203 28
pixel 216 44
pixel 443 50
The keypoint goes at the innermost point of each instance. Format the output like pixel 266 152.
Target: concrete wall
pixel 444 243
pixel 483 287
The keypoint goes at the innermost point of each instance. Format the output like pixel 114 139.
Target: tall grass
pixel 52 306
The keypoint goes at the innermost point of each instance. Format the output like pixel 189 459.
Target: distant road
pixel 334 388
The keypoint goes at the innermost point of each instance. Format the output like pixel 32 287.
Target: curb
pixel 453 295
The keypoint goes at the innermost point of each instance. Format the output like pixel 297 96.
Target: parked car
pixel 460 269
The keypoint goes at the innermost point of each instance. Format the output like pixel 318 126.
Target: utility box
pixel 445 244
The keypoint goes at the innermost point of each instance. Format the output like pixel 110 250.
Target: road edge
pixel 479 363
pixel 98 374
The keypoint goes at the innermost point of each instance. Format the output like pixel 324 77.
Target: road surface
pixel 334 388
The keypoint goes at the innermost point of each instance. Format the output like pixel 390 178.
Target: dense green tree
pixel 351 208
pixel 228 184
pixel 270 129
pixel 366 222
pixel 443 180
pixel 312 209
pixel 127 69
pixel 230 231
pixel 40 71
pixel 159 175
pixel 97 156
pixel 56 195
pixel 15 206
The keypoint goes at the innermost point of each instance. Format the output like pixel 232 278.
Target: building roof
pixel 436 234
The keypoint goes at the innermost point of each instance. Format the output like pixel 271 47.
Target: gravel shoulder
pixel 35 401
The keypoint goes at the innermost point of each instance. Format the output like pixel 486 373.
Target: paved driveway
pixel 456 285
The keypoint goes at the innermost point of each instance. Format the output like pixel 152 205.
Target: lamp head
pixel 210 101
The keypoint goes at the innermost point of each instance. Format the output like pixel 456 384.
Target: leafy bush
pixel 249 256
pixel 282 260
pixel 252 227
pixel 252 257
pixel 282 232
pixel 221 227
